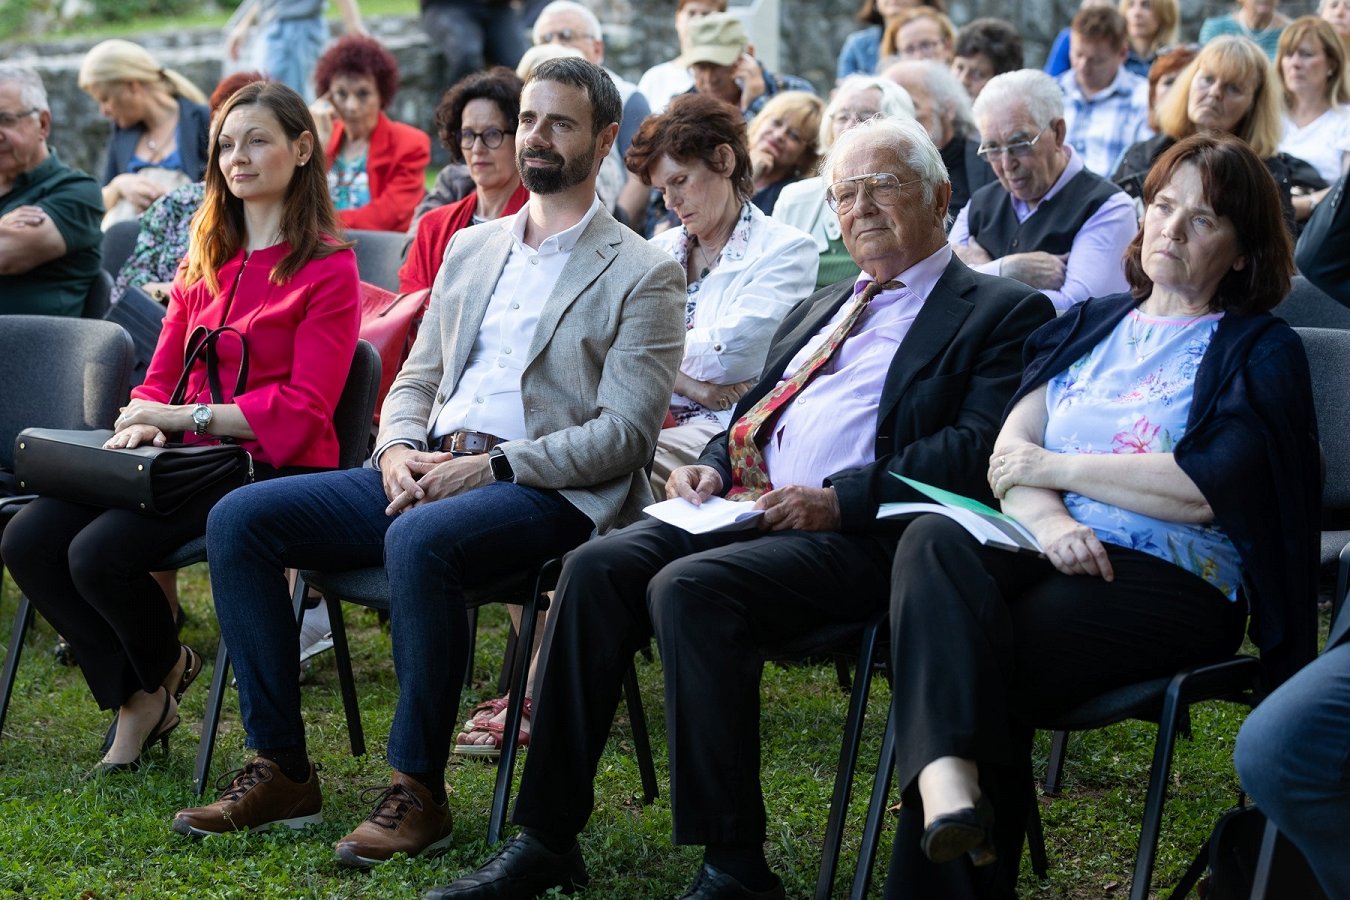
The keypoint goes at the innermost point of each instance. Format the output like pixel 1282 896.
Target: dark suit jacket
pixel 942 402
pixel 194 126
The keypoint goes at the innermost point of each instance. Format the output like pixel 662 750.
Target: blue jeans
pixel 336 520
pixel 288 50
pixel 1293 756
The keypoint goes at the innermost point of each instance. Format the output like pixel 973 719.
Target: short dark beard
pixel 569 172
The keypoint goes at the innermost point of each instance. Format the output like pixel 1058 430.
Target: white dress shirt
pixel 487 397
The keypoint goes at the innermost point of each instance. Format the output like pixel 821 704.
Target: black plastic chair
pixel 369 587
pixel 57 372
pixel 118 242
pixel 379 256
pixel 99 299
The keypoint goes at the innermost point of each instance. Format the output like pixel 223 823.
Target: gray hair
pixel 895 101
pixel 913 148
pixel 1032 89
pixel 568 6
pixel 32 93
pixel 944 90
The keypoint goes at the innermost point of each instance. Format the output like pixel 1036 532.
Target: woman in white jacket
pixel 745 271
pixel 802 203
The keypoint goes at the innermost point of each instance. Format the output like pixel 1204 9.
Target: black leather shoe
pixel 712 884
pixel 969 831
pixel 521 869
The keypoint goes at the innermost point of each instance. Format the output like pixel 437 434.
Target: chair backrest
pixel 1306 306
pixel 118 242
pixel 99 299
pixel 356 406
pixel 379 254
pixel 59 372
pixel 1328 352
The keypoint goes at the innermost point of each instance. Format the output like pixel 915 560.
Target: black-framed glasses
pixel 566 35
pixel 1016 150
pixel 10 120
pixel 492 137
pixel 882 187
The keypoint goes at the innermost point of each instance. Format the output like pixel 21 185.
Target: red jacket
pixel 396 166
pixel 301 338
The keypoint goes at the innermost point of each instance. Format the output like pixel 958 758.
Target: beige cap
pixel 717 38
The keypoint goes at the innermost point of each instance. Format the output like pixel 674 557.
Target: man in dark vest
pixel 1049 222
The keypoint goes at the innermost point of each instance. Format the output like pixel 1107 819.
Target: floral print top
pixel 348 183
pixel 162 241
pixel 1132 394
pixel 682 408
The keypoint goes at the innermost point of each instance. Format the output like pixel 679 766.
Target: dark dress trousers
pixel 720 603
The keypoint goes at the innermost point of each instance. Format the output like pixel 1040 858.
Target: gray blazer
pixel 599 374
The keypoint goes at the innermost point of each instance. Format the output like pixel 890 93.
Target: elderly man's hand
pixel 751 79
pixel 1043 271
pixel 693 483
pixel 972 254
pixel 800 509
pixel 24 217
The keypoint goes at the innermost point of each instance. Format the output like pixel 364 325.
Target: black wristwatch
pixel 500 465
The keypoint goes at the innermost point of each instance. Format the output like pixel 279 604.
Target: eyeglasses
pixel 8 121
pixel 1016 150
pixel 566 35
pixel 848 117
pixel 882 187
pixel 492 138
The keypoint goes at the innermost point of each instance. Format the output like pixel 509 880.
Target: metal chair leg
pixel 211 720
pixel 23 620
pixel 642 743
pixel 1054 767
pixel 876 809
pixel 1040 864
pixel 342 655
pixel 848 760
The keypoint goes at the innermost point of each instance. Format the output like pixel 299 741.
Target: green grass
pixel 66 836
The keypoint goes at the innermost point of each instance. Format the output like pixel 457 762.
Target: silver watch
pixel 201 418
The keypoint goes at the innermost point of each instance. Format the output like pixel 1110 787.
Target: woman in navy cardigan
pixel 160 122
pixel 1163 450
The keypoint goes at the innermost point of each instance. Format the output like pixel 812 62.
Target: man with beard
pixel 518 427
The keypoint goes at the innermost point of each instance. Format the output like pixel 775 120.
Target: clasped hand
pixel 418 477
pixel 1021 464
pixel 790 508
pixel 146 422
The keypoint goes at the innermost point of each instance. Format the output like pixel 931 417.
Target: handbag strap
pixel 201 345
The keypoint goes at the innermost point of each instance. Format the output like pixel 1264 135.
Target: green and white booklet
pixel 986 524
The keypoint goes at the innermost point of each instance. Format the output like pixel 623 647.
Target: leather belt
pixel 469 443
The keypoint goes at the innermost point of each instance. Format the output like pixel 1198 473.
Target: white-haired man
pixel 50 242
pixel 903 371
pixel 1049 222
pixel 943 107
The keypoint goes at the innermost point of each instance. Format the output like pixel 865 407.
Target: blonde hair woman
pixel 160 124
pixel 1151 25
pixel 1311 63
pixel 783 144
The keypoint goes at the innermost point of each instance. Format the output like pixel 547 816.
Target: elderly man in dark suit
pixel 519 426
pixel 905 371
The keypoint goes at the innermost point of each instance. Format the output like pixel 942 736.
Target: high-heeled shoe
pixel 164 727
pixel 969 831
pixel 191 669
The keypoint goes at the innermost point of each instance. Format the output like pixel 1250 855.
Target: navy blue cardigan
pixel 1250 447
pixel 194 126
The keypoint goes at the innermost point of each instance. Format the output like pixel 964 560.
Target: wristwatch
pixel 201 418
pixel 501 466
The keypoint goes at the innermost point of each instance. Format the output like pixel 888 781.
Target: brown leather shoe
pixel 405 820
pixel 259 796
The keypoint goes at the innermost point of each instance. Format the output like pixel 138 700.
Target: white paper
pixel 715 514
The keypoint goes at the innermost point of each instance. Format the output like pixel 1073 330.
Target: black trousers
pixel 985 643
pixel 87 570
pixel 718 605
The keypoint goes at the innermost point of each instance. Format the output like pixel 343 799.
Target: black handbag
pixel 74 465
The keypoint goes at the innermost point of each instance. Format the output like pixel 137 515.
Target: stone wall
pixel 639 33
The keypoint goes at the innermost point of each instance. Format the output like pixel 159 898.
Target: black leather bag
pixel 75 466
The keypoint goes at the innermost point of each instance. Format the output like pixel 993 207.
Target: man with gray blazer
pixel 518 427
pixel 904 371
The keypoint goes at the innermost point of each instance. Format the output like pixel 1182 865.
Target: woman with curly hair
pixel 375 166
